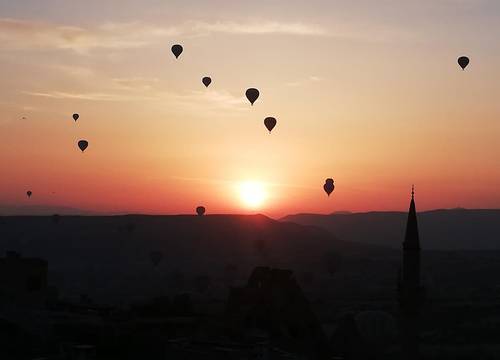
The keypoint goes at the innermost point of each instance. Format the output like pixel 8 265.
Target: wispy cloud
pixel 18 34
pixel 211 101
pixel 21 34
pixel 61 95
pixel 136 83
pixel 310 79
pixel 258 28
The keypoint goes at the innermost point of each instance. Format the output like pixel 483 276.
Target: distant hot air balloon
pixel 270 123
pixel 329 186
pixel 200 210
pixel 29 193
pixel 206 81
pixel 252 95
pixel 155 257
pixel 463 61
pixel 83 144
pixel 75 116
pixel 177 50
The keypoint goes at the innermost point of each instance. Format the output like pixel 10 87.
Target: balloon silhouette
pixel 177 50
pixel 329 186
pixel 200 210
pixel 156 257
pixel 83 144
pixel 463 61
pixel 75 116
pixel 29 193
pixel 252 95
pixel 270 123
pixel 206 81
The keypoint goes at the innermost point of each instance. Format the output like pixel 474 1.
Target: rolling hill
pixel 454 229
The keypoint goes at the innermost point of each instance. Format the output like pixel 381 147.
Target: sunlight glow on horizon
pixel 252 194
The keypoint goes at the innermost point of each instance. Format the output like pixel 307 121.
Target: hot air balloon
pixel 29 193
pixel 177 50
pixel 75 116
pixel 206 81
pixel 329 186
pixel 83 144
pixel 463 61
pixel 252 95
pixel 156 257
pixel 200 210
pixel 270 123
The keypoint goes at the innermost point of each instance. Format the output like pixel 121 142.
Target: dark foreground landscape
pixel 238 287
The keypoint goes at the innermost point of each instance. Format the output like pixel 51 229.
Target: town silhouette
pixel 241 287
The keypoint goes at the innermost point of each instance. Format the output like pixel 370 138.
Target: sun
pixel 252 194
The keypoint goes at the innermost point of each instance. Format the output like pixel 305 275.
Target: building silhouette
pixel 411 293
pixel 23 281
pixel 272 302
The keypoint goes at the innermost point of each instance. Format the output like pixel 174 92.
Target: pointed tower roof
pixel 412 241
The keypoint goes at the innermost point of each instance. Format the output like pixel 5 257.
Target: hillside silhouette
pixel 115 257
pixel 453 229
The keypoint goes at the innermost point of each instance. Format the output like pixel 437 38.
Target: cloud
pixel 61 95
pixel 310 79
pixel 209 101
pixel 315 78
pixel 18 34
pixel 136 83
pixel 258 28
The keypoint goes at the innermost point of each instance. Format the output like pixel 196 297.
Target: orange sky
pixel 369 95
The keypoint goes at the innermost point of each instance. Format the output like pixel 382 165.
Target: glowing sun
pixel 252 194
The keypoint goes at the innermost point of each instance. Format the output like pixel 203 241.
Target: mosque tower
pixel 411 293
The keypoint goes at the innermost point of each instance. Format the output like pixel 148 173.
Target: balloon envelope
pixel 463 61
pixel 200 210
pixel 329 186
pixel 75 116
pixel 83 144
pixel 252 95
pixel 177 50
pixel 270 123
pixel 206 81
pixel 29 193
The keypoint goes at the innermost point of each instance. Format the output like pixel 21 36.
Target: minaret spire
pixel 411 293
pixel 412 241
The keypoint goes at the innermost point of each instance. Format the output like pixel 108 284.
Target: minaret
pixel 410 290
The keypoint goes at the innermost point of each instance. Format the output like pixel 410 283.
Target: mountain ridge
pixel 440 229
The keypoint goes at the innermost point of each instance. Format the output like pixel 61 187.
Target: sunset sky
pixel 368 93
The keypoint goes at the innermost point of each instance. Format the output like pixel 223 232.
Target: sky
pixel 368 93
